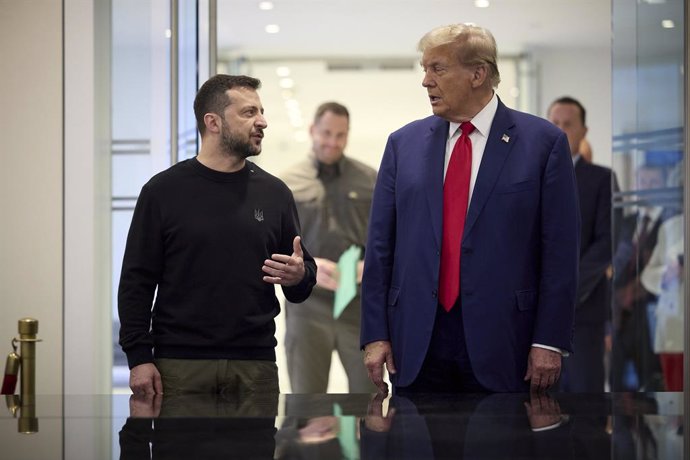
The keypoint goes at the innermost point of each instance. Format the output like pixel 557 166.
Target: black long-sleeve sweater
pixel 200 237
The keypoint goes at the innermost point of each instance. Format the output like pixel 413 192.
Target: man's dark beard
pixel 237 147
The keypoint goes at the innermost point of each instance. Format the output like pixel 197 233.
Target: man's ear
pixel 479 76
pixel 212 122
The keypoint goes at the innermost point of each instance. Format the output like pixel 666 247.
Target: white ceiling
pixel 392 27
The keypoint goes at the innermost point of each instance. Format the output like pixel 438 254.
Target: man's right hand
pixel 145 379
pixel 376 354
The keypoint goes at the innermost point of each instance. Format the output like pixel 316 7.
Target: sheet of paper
pixel 347 282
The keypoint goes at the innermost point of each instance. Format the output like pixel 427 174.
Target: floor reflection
pixel 416 427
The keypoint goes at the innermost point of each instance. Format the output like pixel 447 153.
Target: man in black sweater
pixel 209 238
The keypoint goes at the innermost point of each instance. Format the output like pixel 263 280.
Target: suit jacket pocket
pixel 393 293
pixel 521 186
pixel 526 300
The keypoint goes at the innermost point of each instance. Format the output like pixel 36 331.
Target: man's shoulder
pixel 359 167
pixel 430 122
pixel 301 171
pixel 169 176
pixel 527 121
pixel 595 169
pixel 258 172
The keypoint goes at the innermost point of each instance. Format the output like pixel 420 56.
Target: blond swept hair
pixel 474 46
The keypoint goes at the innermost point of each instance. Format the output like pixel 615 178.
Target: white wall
pixel 585 74
pixel 31 205
pixel 31 180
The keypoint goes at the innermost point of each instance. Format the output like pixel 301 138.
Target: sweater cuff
pixel 139 355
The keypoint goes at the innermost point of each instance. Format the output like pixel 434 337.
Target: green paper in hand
pixel 347 282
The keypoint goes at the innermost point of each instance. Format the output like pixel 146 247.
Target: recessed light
pixel 272 29
pixel 481 3
pixel 286 83
pixel 266 6
pixel 667 24
pixel 283 71
pixel 168 33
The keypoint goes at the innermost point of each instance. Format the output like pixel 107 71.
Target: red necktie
pixel 456 192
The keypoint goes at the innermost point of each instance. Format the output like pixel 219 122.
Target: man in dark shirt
pixel 333 195
pixel 209 238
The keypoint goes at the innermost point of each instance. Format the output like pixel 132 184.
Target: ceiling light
pixel 286 83
pixel 283 71
pixel 266 6
pixel 168 33
pixel 272 29
pixel 667 24
pixel 654 2
pixel 481 3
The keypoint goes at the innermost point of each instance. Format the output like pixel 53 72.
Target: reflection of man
pixel 476 300
pixel 333 197
pixel 210 237
pixel 199 426
pixel 584 371
pixel 467 427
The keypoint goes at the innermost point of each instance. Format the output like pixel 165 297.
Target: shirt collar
pixel 576 158
pixel 481 121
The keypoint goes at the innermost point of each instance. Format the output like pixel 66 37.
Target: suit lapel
pixel 502 137
pixel 436 139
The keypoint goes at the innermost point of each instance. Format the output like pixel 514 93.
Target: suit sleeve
pixel 380 250
pixel 560 249
pixel 597 255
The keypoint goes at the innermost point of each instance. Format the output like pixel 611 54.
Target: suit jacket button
pixel 434 293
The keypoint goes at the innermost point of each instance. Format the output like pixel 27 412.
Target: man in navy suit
pixel 512 316
pixel 584 370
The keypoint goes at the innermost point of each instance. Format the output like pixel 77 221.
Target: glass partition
pixel 142 101
pixel 647 321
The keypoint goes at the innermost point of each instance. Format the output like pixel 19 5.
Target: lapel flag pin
pixel 505 138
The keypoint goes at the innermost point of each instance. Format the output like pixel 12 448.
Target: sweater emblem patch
pixel 259 215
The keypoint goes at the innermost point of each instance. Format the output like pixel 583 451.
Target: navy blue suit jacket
pixel 519 255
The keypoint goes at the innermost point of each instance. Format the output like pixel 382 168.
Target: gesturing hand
pixel 283 269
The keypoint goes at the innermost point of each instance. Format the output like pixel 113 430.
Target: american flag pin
pixel 505 138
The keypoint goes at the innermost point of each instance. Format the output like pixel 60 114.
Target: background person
pixel 584 370
pixel 333 196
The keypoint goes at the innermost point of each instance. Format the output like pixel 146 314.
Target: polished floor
pixel 332 426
